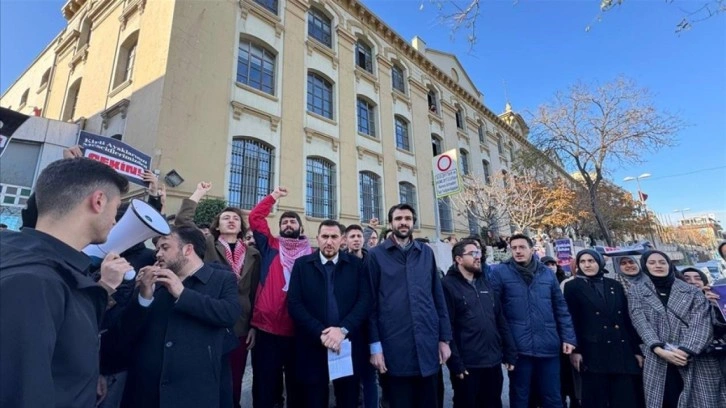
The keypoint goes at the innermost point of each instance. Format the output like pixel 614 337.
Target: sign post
pixel 447 181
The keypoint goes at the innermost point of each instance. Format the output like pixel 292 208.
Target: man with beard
pixel 482 340
pixel 410 329
pixel 50 307
pixel 177 341
pixel 541 324
pixel 329 300
pixel 275 342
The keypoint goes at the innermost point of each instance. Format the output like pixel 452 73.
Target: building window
pixel 370 196
pixel 433 102
pixel 45 78
pixel 399 83
pixel 482 135
pixel 500 145
pixel 473 222
pixel 85 34
pixel 459 118
pixel 320 95
pixel 464 161
pixel 320 189
pixel 24 97
pixel 256 67
pixel 319 27
pixel 407 194
pixel 511 154
pixel 436 145
pixel 364 56
pixel 485 169
pixel 126 60
pixel 445 219
pixel 251 174
pixel 402 134
pixel 366 118
pixel 268 4
pixel 69 112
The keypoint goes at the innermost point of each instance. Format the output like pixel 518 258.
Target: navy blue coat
pixel 409 315
pixel 537 314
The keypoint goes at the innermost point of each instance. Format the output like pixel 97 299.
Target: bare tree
pixel 519 200
pixel 594 127
pixel 464 14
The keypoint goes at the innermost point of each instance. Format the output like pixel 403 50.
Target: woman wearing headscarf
pixel 607 355
pixel 627 272
pixel 674 322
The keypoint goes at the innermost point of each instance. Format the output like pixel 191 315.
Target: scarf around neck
pixel 290 250
pixel 527 271
pixel 235 259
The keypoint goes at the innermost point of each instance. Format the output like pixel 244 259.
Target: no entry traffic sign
pixel 446 174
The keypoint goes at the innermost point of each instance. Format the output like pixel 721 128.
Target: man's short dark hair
pixel 191 235
pixel 3 225
pixel 521 236
pixel 67 182
pixel 460 247
pixel 476 238
pixel 290 214
pixel 331 223
pixel 401 206
pixel 352 227
pixel 214 228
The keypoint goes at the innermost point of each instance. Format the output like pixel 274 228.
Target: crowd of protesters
pixel 76 334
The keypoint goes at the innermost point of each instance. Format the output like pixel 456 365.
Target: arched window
pixel 126 59
pixel 500 145
pixel 256 66
pixel 436 145
pixel 445 219
pixel 268 4
pixel 320 201
pixel 69 111
pixel 407 194
pixel 85 34
pixel 45 78
pixel 370 196
pixel 433 101
pixel 364 56
pixel 511 153
pixel 464 161
pixel 24 97
pixel 366 117
pixel 251 173
pixel 398 78
pixel 319 27
pixel 482 134
pixel 402 134
pixel 459 118
pixel 320 95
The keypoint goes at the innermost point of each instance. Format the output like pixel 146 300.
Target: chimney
pixel 419 44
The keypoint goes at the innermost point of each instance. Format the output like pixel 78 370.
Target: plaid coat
pixel 686 323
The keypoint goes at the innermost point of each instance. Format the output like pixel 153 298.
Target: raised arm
pixel 185 216
pixel 258 217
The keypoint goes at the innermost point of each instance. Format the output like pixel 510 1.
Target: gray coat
pixel 686 323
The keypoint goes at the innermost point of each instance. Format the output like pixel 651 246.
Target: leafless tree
pixel 592 128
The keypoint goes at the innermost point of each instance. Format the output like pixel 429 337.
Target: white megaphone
pixel 139 223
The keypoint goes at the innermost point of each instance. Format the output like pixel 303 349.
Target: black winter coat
pixel 606 337
pixel 182 340
pixel 50 310
pixel 481 334
pixel 307 303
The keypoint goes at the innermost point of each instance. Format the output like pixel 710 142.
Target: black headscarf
pixel 704 277
pixel 598 258
pixel 663 284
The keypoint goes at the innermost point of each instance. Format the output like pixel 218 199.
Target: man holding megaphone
pixel 50 307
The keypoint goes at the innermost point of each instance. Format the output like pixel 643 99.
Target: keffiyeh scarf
pixel 290 250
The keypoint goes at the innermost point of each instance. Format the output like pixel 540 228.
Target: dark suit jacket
pixel 307 304
pixel 605 335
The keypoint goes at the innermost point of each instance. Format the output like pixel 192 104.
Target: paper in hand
pixel 340 364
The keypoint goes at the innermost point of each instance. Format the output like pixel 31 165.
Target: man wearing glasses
pixel 482 340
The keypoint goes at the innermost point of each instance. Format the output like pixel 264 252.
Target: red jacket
pixel 270 312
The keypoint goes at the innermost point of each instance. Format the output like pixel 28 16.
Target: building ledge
pixel 248 7
pixel 323 118
pixel 362 73
pixel 257 92
pixel 120 87
pixel 313 45
pixel 310 133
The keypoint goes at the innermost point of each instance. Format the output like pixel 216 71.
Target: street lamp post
pixel 640 198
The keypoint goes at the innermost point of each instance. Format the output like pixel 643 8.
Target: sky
pixel 530 49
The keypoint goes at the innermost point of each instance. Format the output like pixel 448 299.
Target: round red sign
pixel 444 163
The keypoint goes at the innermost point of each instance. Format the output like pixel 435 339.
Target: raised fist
pixel 279 192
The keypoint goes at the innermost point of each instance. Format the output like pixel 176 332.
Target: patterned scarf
pixel 237 259
pixel 290 250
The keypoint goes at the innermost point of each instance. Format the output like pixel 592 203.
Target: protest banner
pixel 126 160
pixel 721 291
pixel 10 121
pixel 563 250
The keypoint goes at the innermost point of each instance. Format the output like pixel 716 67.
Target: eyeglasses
pixel 475 254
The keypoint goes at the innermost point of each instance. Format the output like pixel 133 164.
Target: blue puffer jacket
pixel 537 314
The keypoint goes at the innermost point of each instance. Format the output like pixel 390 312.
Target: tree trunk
pixel 595 210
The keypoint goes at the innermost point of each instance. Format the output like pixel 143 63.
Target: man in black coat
pixel 482 340
pixel 50 307
pixel 329 300
pixel 178 341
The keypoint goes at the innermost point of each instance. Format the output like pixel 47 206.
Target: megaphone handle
pixel 130 275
